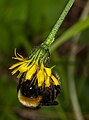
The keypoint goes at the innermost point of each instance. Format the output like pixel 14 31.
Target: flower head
pixel 36 82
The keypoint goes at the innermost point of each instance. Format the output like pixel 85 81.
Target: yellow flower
pixel 35 80
pixel 43 74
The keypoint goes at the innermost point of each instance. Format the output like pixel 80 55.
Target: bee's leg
pixel 50 103
pixel 58 89
pixel 52 96
pixel 51 91
pixel 49 96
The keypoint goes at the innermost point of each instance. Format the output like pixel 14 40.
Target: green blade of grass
pixel 72 31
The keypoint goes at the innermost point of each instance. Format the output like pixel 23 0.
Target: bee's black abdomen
pixel 50 94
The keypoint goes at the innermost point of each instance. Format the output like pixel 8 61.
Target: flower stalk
pixel 50 39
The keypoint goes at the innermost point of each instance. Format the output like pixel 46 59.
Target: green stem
pixel 52 34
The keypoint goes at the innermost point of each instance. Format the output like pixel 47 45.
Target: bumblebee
pixel 37 84
pixel 30 95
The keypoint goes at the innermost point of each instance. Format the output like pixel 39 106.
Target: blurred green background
pixel 25 24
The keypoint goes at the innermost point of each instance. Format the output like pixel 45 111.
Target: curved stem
pixel 52 34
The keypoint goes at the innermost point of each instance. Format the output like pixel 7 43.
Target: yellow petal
pixel 15 65
pixel 48 71
pixel 14 71
pixel 23 67
pixel 19 75
pixel 55 81
pixel 42 65
pixel 31 71
pixel 53 66
pixel 40 77
pixel 15 52
pixel 18 57
pixel 47 82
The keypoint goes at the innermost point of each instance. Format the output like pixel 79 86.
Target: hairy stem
pixel 52 34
